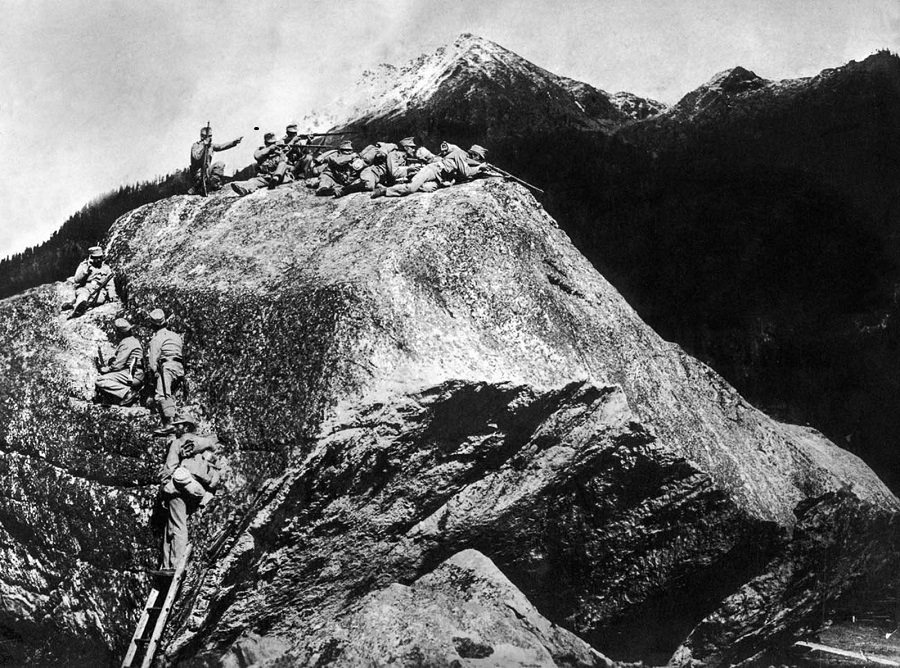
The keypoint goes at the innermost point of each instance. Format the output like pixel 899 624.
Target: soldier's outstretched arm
pixel 227 145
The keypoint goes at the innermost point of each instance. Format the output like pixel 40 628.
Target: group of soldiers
pixel 192 469
pixel 384 169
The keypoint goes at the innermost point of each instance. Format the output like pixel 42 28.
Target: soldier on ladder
pixel 190 475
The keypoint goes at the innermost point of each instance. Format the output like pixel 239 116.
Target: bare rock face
pixel 463 613
pixel 397 382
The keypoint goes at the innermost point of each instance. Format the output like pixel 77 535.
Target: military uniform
pixel 123 371
pixel 88 278
pixel 215 171
pixel 189 476
pixel 165 359
pixel 271 168
pixel 341 169
pixel 455 166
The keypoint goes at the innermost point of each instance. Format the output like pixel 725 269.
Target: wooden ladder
pixel 153 620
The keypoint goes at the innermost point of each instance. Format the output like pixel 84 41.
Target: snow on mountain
pixel 637 107
pixel 494 84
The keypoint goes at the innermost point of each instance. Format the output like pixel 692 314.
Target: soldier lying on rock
pixel 165 359
pixel 454 166
pixel 122 376
pixel 94 283
pixel 190 475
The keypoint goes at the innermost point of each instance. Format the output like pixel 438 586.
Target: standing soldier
pixel 189 476
pixel 165 360
pixel 202 166
pixel 121 377
pixel 94 283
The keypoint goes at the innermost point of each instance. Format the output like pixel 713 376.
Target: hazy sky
pixel 97 94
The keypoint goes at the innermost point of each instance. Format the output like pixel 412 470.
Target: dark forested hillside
pixel 56 258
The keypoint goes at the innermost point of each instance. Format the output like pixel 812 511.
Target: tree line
pixel 56 258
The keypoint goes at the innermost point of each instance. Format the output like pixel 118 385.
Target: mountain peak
pixel 735 80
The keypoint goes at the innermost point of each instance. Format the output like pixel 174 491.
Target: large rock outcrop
pixel 397 382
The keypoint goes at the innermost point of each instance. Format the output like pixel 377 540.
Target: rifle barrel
pixel 514 178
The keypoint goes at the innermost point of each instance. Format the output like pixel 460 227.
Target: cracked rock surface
pixel 398 383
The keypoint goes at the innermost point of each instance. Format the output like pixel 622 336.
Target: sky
pixel 94 94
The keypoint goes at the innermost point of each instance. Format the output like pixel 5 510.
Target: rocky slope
pixel 752 222
pixel 398 382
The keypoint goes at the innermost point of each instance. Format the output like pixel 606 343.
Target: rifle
pixel 204 190
pixel 99 360
pixel 92 300
pixel 507 175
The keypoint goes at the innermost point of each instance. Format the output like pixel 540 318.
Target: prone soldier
pixel 455 166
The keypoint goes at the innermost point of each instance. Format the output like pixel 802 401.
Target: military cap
pixel 480 151
pixel 157 316
pixel 205 130
pixel 184 417
pixel 346 145
pixel 122 325
pixel 408 142
pixel 292 124
pixel 95 248
pixel 269 136
pixel 96 251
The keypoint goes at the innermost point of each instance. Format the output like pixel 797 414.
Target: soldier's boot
pixel 77 309
pixel 379 192
pixel 338 191
pixel 130 398
pixel 165 429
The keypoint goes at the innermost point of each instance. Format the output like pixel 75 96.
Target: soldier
pixel 386 166
pixel 189 476
pixel 416 154
pixel 94 284
pixel 214 172
pixel 455 166
pixel 271 167
pixel 121 377
pixel 165 360
pixel 341 169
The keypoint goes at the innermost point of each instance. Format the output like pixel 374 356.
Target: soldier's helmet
pixel 478 151
pixel 205 131
pixel 184 417
pixel 269 138
pixel 346 146
pixel 157 316
pixel 408 142
pixel 122 325
pixel 291 126
pixel 97 252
